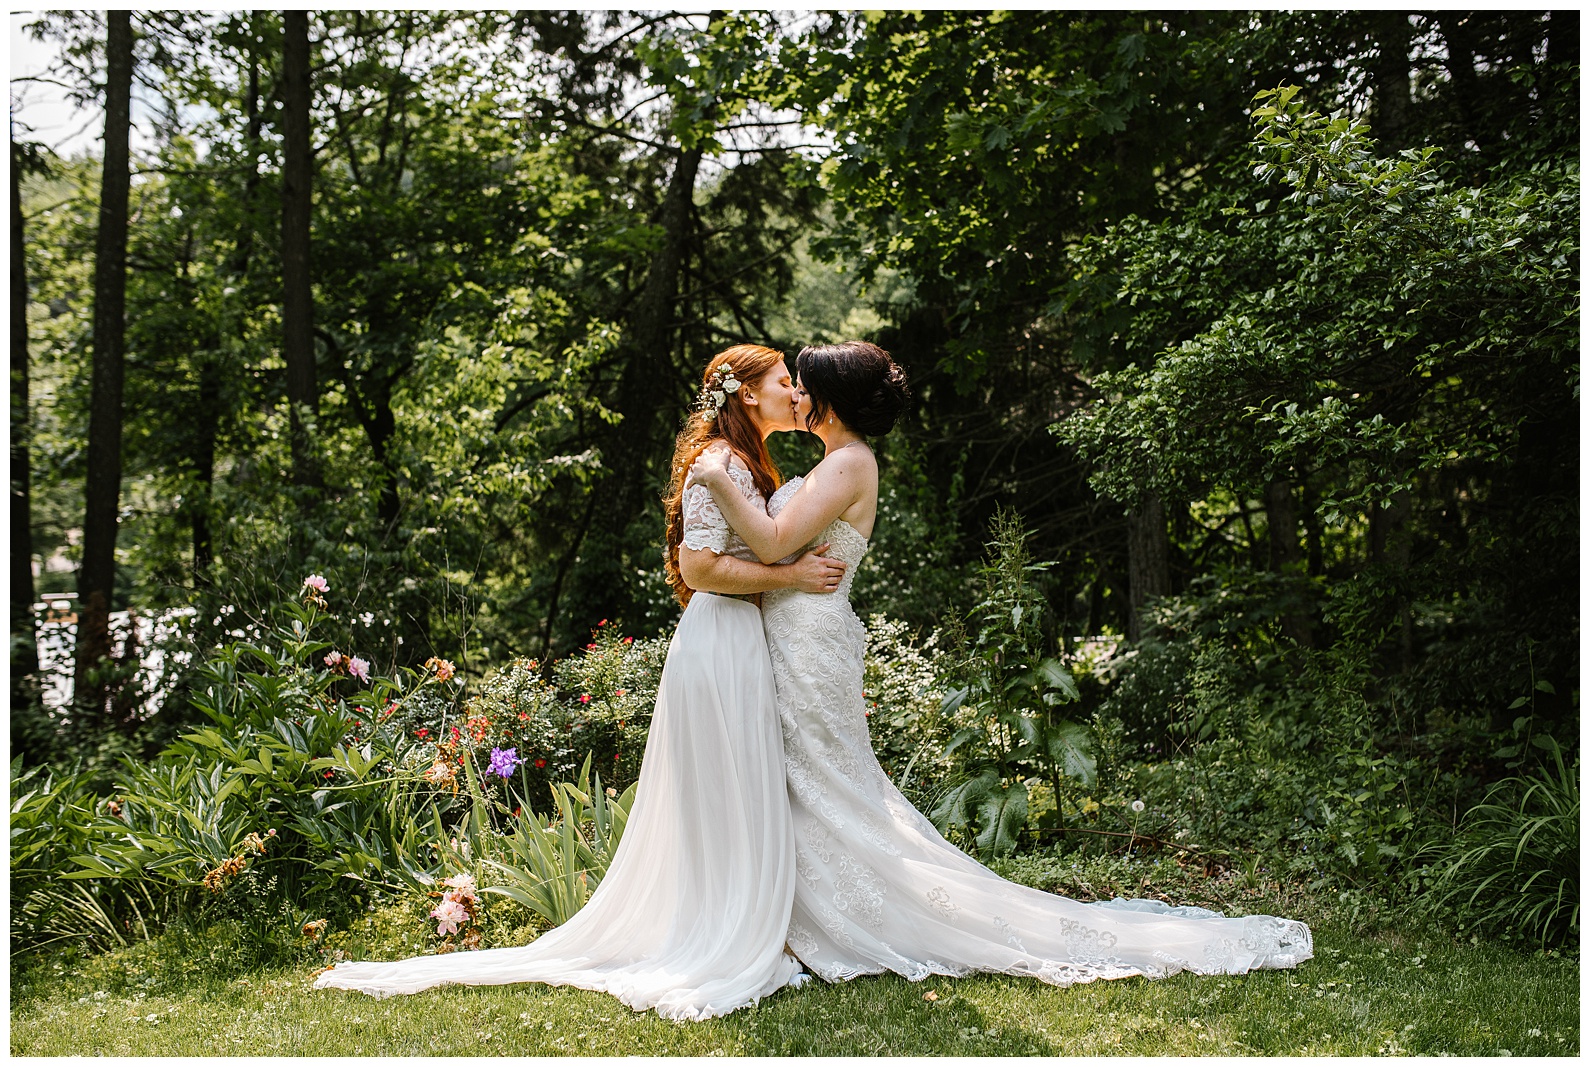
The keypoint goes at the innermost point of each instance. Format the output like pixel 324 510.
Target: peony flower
pixel 449 915
pixel 463 889
pixel 333 660
pixel 503 761
pixel 360 669
pixel 317 583
pixel 443 668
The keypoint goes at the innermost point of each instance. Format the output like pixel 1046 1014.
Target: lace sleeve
pixel 705 526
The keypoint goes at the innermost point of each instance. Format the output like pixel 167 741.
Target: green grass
pixel 1376 988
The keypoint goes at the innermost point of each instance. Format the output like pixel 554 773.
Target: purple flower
pixel 360 669
pixel 503 761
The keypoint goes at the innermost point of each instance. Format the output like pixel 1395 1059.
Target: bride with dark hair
pixel 691 916
pixel 878 888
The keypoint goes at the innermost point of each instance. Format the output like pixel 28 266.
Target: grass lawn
pixel 1368 991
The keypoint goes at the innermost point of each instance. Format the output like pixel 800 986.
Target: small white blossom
pixel 1137 805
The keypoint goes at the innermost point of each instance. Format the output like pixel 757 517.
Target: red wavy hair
pixel 733 425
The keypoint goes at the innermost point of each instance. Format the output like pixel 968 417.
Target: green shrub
pixel 1004 685
pixel 905 705
pixel 1513 868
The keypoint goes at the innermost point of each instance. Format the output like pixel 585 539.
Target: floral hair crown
pixel 720 383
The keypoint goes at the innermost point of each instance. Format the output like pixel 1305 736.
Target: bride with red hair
pixel 691 916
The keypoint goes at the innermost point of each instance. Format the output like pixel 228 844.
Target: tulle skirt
pixel 691 918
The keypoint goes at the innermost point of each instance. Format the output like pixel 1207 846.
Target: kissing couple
pixel 765 841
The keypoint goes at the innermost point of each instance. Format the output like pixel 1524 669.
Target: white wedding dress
pixel 880 890
pixel 691 917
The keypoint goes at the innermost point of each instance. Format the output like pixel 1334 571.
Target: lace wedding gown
pixel 880 890
pixel 692 915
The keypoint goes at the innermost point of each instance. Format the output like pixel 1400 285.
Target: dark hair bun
pixel 856 382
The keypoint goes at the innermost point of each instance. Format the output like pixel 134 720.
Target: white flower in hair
pixel 720 383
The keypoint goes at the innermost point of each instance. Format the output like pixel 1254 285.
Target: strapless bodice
pixel 844 540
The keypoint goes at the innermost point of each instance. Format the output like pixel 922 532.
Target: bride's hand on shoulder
pixel 710 468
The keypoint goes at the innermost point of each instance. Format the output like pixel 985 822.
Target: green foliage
pixel 53 819
pixel 1004 688
pixel 905 706
pixel 1513 867
pixel 552 866
pixel 1355 268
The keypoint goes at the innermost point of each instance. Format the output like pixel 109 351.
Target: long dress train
pixel 879 888
pixel 692 915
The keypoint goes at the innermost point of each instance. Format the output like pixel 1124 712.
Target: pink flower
pixel 360 669
pixel 585 698
pixel 317 583
pixel 449 914
pixel 333 660
pixel 461 881
pixel 462 891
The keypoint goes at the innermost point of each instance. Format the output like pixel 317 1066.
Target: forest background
pixel 1241 476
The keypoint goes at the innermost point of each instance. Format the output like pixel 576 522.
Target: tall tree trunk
pixel 24 643
pixel 1393 99
pixel 1286 551
pixel 97 578
pixel 604 571
pixel 1147 560
pixel 298 321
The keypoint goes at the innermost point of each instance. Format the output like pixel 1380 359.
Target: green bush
pixel 1005 684
pixel 1513 868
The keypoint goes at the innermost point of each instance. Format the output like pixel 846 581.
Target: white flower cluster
pixel 720 383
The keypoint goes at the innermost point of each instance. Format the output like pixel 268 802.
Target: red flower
pixel 331 774
pixel 585 698
pixel 541 763
pixel 422 732
pixel 516 811
pixel 618 692
pixel 524 715
pixel 591 645
pixel 602 623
